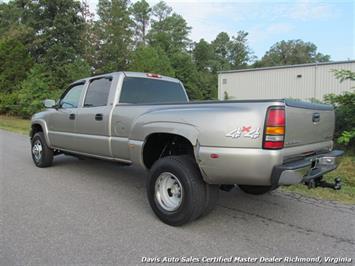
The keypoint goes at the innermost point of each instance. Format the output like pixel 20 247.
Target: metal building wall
pixel 301 82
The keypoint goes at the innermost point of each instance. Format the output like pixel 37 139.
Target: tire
pixel 212 196
pixel 176 191
pixel 42 155
pixel 255 190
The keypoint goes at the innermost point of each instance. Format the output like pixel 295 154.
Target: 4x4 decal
pixel 244 131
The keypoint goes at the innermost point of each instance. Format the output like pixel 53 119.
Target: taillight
pixel 274 132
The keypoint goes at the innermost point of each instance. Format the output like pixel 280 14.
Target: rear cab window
pixel 141 90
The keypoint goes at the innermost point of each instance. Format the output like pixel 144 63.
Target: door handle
pixel 99 117
pixel 72 116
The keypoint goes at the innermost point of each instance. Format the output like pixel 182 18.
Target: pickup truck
pixel 191 149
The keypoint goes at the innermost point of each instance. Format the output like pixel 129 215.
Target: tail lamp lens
pixel 276 117
pixel 274 133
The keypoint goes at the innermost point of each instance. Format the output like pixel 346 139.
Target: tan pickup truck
pixel 191 149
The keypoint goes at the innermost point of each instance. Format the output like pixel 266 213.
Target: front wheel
pixel 176 190
pixel 42 155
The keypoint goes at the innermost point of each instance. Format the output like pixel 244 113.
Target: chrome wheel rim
pixel 37 150
pixel 168 191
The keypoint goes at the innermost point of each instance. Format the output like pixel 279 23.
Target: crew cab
pixel 191 149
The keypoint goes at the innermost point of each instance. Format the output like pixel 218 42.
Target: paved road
pixel 93 212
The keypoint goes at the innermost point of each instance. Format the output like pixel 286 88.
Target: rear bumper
pixel 306 169
pixel 259 167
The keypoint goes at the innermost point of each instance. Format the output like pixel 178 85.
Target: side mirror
pixel 49 103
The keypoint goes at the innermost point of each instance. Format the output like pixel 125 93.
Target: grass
pixel 346 169
pixel 15 124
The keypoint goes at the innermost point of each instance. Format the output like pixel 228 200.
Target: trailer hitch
pixel 318 182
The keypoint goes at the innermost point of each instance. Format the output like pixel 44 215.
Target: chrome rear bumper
pixel 306 169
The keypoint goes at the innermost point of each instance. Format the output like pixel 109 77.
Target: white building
pixel 304 81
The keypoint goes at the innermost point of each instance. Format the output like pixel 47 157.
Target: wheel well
pixel 36 128
pixel 159 145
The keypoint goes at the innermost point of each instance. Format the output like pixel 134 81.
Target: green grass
pixel 15 124
pixel 346 169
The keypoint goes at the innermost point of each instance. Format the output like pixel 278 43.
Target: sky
pixel 328 24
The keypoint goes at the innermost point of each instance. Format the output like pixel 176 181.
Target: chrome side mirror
pixel 48 103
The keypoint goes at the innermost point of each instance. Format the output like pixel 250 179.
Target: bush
pixel 27 97
pixel 8 103
pixel 345 117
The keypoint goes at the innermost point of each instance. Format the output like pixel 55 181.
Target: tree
pixel 89 37
pixel 344 111
pixel 56 29
pixel 231 52
pixel 141 16
pixel 203 55
pixel 114 30
pixel 10 14
pixel 150 59
pixel 169 32
pixel 207 84
pixel 14 63
pixel 344 74
pixel 292 52
pixel 220 47
pixel 161 11
pixel 33 90
pixel 186 71
pixel 239 52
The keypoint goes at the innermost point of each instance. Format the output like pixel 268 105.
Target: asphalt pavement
pixel 90 212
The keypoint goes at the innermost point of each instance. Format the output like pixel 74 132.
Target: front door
pixel 62 122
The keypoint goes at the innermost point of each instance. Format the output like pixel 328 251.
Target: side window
pixel 71 98
pixel 97 92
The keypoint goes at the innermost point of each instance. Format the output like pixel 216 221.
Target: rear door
pixel 93 118
pixel 308 123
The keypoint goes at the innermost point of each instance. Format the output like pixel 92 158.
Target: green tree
pixel 89 37
pixel 10 14
pixel 185 70
pixel 152 60
pixel 220 46
pixel 203 55
pixel 161 11
pixel 231 52
pixel 77 70
pixel 169 32
pixel 344 74
pixel 141 15
pixel 207 84
pixel 292 52
pixel 14 63
pixel 33 90
pixel 344 110
pixel 239 52
pixel 57 29
pixel 114 30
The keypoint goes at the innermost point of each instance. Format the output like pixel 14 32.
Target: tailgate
pixel 308 123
